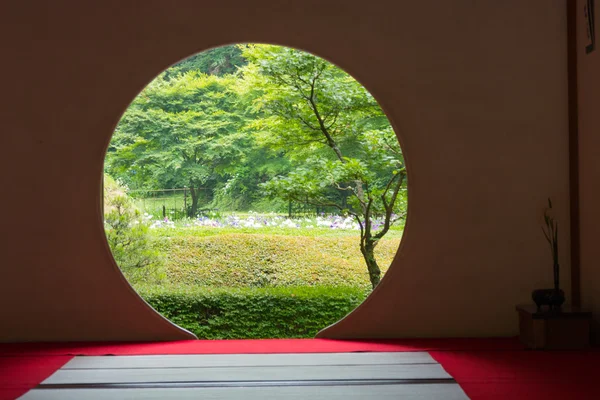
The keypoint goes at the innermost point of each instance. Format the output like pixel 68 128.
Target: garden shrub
pixel 266 260
pixel 252 313
pixel 127 235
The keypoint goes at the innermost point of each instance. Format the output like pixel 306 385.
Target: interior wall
pixel 475 90
pixel 589 165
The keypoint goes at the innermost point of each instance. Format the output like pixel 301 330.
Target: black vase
pixel 553 298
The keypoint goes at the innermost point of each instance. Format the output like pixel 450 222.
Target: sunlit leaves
pixel 309 106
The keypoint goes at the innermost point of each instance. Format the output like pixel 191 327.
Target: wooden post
pixel 573 113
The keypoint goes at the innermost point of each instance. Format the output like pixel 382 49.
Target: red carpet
pixel 524 374
pixel 485 368
pixel 18 374
pixel 256 346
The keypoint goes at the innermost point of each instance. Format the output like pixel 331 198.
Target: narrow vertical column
pixel 572 10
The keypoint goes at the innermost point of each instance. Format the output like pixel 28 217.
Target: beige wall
pixel 475 89
pixel 589 148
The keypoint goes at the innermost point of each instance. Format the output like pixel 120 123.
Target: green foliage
pixel 293 312
pixel 127 236
pixel 264 204
pixel 230 258
pixel 219 61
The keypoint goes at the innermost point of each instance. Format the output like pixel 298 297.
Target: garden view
pixel 254 191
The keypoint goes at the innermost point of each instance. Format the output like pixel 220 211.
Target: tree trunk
pixel 194 206
pixel 368 252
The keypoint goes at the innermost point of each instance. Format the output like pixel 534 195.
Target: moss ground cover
pixel 267 260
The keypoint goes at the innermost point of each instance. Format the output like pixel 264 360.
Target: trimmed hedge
pixel 253 313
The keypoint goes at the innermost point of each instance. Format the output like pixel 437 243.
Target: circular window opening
pixel 254 191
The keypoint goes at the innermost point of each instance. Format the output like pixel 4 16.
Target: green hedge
pixel 253 313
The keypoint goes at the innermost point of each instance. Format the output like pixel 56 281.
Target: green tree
pixel 343 148
pixel 185 131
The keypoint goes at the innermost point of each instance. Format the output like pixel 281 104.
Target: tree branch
pixel 322 126
pixel 389 208
pixel 387 187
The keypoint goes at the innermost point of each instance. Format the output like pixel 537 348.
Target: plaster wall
pixel 589 165
pixel 476 90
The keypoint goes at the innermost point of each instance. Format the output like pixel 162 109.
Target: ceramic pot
pixel 553 298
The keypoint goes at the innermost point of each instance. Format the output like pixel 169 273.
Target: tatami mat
pixel 414 375
pixel 248 360
pixel 379 392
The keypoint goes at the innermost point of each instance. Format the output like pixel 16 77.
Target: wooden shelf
pixel 567 328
